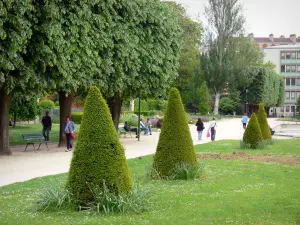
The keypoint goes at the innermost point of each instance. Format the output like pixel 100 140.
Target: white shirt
pixel 213 125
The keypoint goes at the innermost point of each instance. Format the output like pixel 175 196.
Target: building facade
pixel 265 42
pixel 286 58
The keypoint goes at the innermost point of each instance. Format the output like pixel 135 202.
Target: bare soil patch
pixel 284 159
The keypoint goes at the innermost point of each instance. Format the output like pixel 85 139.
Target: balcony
pixel 292 74
pixel 287 100
pixel 292 87
pixel 290 61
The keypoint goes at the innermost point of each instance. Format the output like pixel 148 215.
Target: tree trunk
pixel 115 106
pixel 131 107
pixel 4 122
pixel 15 120
pixel 217 102
pixel 65 109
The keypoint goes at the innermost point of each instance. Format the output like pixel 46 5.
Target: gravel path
pixel 22 166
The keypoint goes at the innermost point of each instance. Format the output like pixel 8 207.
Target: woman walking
pixel 69 128
pixel 200 128
pixel 213 129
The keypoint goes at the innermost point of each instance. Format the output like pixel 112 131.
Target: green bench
pixel 32 139
pixel 121 131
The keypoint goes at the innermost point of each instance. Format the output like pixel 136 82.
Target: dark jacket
pixel 47 122
pixel 200 126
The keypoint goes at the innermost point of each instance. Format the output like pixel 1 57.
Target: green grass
pixel 280 147
pixel 15 134
pixel 232 192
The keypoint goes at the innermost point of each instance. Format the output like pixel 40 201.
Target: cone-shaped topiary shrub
pixel 98 154
pixel 252 135
pixel 175 144
pixel 263 123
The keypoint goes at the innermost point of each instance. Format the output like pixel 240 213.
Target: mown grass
pixel 231 192
pixel 15 134
pixel 279 147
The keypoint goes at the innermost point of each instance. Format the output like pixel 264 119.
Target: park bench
pixel 32 139
pixel 121 131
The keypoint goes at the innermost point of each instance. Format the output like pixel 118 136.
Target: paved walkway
pixel 23 166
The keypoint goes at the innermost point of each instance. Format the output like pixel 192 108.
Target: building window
pixel 283 55
pixel 287 95
pixel 293 55
pixel 293 81
pixel 287 81
pixel 293 95
pixel 298 94
pixel 283 68
pixel 287 109
pixel 294 68
pixel 293 108
pixel 281 109
pixel 298 81
pixel 298 55
pixel 288 55
pixel 298 68
pixel 288 68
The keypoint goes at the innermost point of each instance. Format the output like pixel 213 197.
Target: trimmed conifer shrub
pixel 252 135
pixel 99 156
pixel 263 123
pixel 175 146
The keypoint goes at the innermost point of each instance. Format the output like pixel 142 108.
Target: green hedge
pixel 76 117
pixel 175 145
pixel 252 135
pixel 99 156
pixel 47 104
pixel 263 123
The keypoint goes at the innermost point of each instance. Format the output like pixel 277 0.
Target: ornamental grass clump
pixel 175 146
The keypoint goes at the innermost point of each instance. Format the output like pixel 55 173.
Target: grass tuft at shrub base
pixel 55 195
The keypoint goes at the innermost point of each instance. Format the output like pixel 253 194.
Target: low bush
pixel 55 195
pixel 252 135
pixel 131 118
pixel 47 104
pixel 188 171
pixel 76 117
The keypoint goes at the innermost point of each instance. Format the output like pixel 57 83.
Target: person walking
pixel 200 128
pixel 148 125
pixel 244 120
pixel 47 125
pixel 69 128
pixel 213 129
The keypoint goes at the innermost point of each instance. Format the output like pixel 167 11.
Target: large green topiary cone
pixel 263 123
pixel 175 144
pixel 98 155
pixel 252 135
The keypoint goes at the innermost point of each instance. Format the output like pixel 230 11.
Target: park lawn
pixel 15 134
pixel 231 192
pixel 279 147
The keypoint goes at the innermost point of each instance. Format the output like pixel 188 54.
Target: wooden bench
pixel 121 130
pixel 32 139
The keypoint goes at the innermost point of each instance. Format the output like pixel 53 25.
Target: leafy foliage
pixel 98 155
pixel 77 117
pixel 227 105
pixel 188 171
pixel 174 149
pixel 204 106
pixel 47 104
pixel 24 107
pixel 263 123
pixel 252 135
pixel 266 86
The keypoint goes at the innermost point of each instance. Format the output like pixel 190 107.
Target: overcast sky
pixel 280 17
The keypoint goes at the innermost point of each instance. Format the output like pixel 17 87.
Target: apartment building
pixel 286 58
pixel 265 42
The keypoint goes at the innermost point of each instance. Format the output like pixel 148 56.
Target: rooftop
pixel 284 47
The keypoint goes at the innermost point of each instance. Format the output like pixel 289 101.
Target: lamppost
pixel 139 119
pixel 247 102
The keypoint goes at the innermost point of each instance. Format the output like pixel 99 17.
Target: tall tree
pixel 15 71
pixel 226 20
pixel 204 107
pixel 24 107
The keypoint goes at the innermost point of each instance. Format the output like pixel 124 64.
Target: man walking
pixel 244 120
pixel 47 125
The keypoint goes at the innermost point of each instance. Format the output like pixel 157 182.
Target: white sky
pixel 280 17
